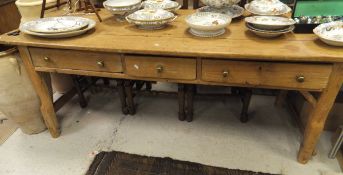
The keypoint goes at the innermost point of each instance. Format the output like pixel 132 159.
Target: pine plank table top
pixel 237 43
pixel 238 58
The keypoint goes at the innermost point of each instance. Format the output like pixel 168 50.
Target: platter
pixel 330 33
pixel 56 24
pixel 91 25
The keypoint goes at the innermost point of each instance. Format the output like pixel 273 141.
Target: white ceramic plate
pixel 151 25
pixel 121 3
pixel 90 26
pixel 330 33
pixel 233 11
pixel 270 22
pixel 150 15
pixel 269 34
pixel 267 7
pixel 56 24
pixel 162 4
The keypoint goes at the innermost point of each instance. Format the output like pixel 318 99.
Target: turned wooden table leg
pixel 246 98
pixel 82 100
pixel 42 89
pixel 129 96
pixel 181 100
pixel 122 96
pixel 189 102
pixel 318 115
pixel 281 98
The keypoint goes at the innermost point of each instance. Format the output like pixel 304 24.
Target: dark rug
pixel 118 163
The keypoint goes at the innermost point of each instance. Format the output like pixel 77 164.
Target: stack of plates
pixel 121 8
pixel 150 19
pixel 58 27
pixel 168 5
pixel 267 7
pixel 331 33
pixel 207 24
pixel 234 11
pixel 269 26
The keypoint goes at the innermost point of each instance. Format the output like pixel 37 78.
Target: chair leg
pixel 189 102
pixel 122 96
pixel 82 100
pixel 129 96
pixel 181 99
pixel 246 98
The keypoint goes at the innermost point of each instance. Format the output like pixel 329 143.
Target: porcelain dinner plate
pixel 56 24
pixel 121 3
pixel 267 7
pixel 233 11
pixel 162 4
pixel 270 22
pixel 268 33
pixel 207 24
pixel 330 33
pixel 90 26
pixel 220 3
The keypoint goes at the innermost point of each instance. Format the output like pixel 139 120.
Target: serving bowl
pixel 207 24
pixel 220 3
pixel 122 8
pixel 151 19
pixel 330 33
pixel 270 22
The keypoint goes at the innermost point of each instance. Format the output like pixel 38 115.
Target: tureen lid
pixel 160 4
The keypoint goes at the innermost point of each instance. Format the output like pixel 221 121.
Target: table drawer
pixel 307 76
pixel 161 67
pixel 77 60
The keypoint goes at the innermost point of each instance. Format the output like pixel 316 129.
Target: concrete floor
pixel 268 143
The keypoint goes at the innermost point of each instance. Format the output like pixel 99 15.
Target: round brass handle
pixel 159 69
pixel 100 63
pixel 225 73
pixel 46 59
pixel 300 78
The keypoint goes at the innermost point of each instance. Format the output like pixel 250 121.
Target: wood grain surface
pixel 236 43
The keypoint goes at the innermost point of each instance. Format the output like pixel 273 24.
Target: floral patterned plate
pixel 234 11
pixel 150 15
pixel 270 22
pixel 162 4
pixel 330 33
pixel 56 24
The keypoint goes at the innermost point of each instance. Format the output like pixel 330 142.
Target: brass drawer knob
pixel 100 63
pixel 46 59
pixel 300 78
pixel 225 73
pixel 159 69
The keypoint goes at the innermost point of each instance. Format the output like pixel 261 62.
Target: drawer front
pixel 77 60
pixel 306 76
pixel 161 67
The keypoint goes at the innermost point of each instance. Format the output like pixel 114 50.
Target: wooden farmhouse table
pixel 238 58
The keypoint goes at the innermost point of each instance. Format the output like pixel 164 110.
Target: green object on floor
pixel 319 8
